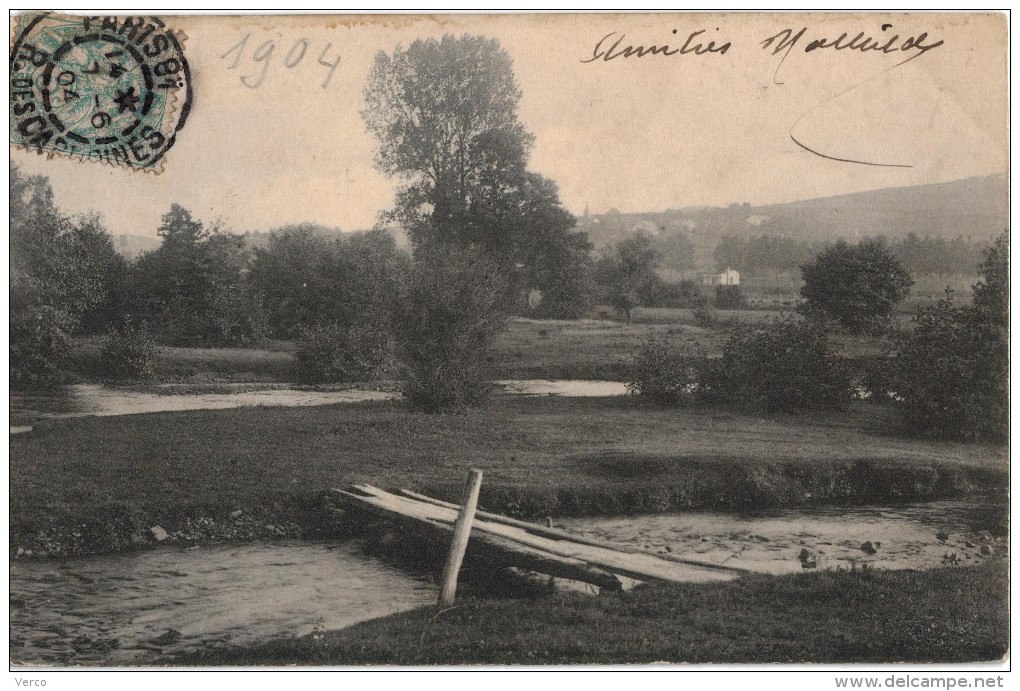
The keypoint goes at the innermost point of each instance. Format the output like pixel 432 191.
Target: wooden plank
pixel 492 549
pixel 640 565
pixel 555 534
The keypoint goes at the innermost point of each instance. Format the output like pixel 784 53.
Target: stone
pixel 968 543
pixel 868 548
pixel 942 537
pixel 158 533
pixel 987 550
pixel 169 638
pixel 236 514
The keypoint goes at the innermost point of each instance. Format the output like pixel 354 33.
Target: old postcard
pixel 516 339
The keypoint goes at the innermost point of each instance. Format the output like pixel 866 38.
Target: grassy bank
pixel 100 484
pixel 945 615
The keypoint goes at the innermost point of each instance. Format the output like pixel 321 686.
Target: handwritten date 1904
pixel 264 54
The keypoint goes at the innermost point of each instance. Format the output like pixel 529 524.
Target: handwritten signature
pixel 784 42
pixel 691 45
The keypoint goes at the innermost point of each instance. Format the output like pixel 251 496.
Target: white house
pixel 729 277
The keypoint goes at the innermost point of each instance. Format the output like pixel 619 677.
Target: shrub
pixel 129 354
pixel 40 340
pixel 339 353
pixel 784 366
pixel 451 310
pixel 704 318
pixel 875 378
pixel 666 373
pixel 728 297
pixel 952 374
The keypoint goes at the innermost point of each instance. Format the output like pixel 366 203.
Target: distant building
pixel 729 277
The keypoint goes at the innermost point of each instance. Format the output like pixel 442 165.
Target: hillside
pixel 975 208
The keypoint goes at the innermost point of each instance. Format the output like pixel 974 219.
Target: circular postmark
pixel 110 89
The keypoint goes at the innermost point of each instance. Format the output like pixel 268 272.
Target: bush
pixel 129 354
pixel 785 366
pixel 875 377
pixel 40 340
pixel 728 297
pixel 952 374
pixel 704 318
pixel 450 313
pixel 680 295
pixel 338 353
pixel 666 373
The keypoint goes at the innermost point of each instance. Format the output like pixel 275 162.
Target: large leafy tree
pixel 445 115
pixel 308 279
pixel 854 287
pixel 193 291
pixel 627 273
pixel 64 272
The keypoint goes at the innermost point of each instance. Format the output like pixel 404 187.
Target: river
pixel 81 400
pixel 139 607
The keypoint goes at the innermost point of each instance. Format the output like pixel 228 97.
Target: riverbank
pixel 947 615
pixel 98 485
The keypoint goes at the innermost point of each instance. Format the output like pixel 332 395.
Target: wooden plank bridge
pixel 500 541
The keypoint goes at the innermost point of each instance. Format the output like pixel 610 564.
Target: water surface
pixel 81 400
pixel 908 536
pixel 135 608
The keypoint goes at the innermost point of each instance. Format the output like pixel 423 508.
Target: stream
pixel 136 608
pixel 82 400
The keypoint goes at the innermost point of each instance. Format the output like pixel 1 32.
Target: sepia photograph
pixel 530 341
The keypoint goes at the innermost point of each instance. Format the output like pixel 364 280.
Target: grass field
pixel 91 484
pixel 601 349
pixel 947 615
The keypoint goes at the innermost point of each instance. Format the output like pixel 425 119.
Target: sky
pixel 267 144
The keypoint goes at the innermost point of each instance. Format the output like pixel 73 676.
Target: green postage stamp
pixel 110 89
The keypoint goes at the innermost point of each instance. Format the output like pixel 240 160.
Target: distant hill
pixel 975 208
pixel 131 246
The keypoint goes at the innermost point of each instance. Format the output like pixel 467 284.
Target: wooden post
pixel 461 533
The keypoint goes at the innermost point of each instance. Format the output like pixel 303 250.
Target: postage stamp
pixel 108 89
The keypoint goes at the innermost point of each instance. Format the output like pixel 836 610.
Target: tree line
pixel 948 376
pixel 771 255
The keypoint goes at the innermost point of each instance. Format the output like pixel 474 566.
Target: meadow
pixel 592 349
